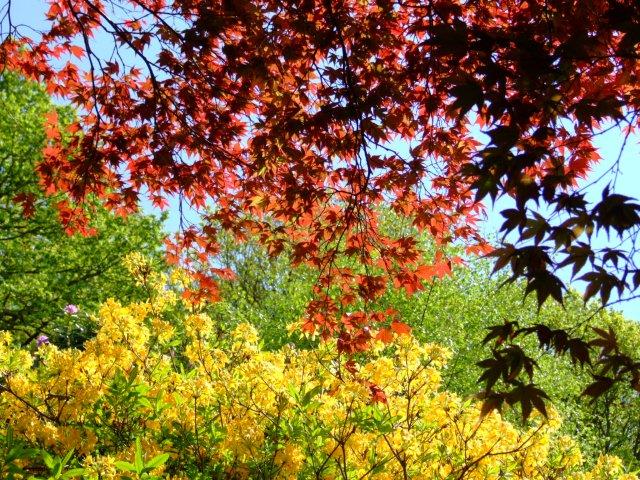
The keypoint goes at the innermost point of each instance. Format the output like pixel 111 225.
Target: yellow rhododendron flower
pixel 225 408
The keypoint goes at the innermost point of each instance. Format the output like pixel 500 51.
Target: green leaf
pixel 125 466
pixel 74 472
pixel 48 460
pixel 139 464
pixel 157 461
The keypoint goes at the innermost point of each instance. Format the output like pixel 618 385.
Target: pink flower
pixel 71 309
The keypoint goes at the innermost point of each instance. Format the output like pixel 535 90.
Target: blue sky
pixel 627 181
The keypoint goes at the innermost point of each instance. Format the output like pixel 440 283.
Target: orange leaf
pixel 385 335
pixel 76 51
pixel 400 328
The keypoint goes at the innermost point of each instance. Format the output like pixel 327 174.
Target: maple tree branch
pixel 7 17
pixel 90 55
pixel 352 90
pixel 159 17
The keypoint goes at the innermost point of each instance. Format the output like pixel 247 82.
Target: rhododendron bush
pixel 163 392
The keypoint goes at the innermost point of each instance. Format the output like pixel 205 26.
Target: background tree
pixel 42 268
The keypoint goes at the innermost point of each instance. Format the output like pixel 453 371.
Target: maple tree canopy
pixel 297 119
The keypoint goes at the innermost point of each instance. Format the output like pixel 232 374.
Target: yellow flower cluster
pixel 221 407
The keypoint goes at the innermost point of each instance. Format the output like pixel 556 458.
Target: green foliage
pixel 267 292
pixel 42 269
pixel 12 450
pixel 57 466
pixel 118 419
pixel 140 469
